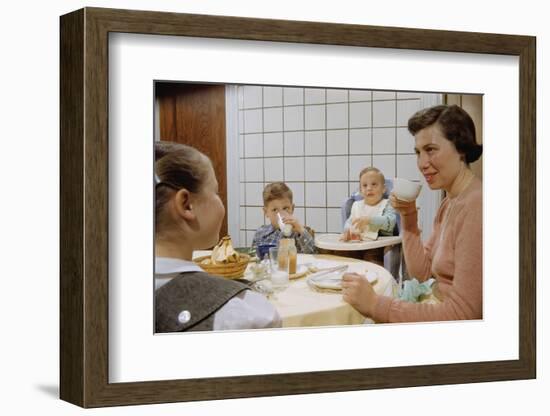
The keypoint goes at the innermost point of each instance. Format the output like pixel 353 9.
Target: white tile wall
pixel 254 169
pixel 337 96
pixel 337 193
pixel 242 166
pixel 273 144
pixel 242 188
pixel 294 143
pixel 314 96
pixel 386 163
pixel 315 143
pixel 316 194
pixel 294 169
pixel 405 95
pixel 405 109
pixel 253 121
pixel 360 95
pixel 293 96
pixel 356 164
pixel 294 118
pixel 273 119
pixel 252 97
pixel 337 168
pixel 383 113
pixel 240 97
pixel 405 141
pixel 274 169
pixel 242 213
pixel 383 95
pixel 241 145
pixel 383 141
pixel 360 115
pixel 297 189
pixel 337 142
pixel 360 141
pixel 300 214
pixel 334 220
pixel 337 116
pixel 273 96
pixel 315 117
pixel 254 217
pixel 241 122
pixel 318 140
pixel 316 218
pixel 253 145
pixel 254 193
pixel 315 168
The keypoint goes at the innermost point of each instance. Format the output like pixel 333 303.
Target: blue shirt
pixel 267 234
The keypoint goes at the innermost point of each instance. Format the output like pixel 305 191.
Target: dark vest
pixel 198 293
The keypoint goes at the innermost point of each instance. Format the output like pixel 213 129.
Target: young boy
pixel 278 199
pixel 373 214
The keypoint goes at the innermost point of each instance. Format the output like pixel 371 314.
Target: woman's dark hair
pixel 177 166
pixel 455 124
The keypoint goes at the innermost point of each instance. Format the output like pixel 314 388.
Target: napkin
pixel 412 290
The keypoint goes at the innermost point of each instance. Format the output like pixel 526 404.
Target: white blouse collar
pixel 167 265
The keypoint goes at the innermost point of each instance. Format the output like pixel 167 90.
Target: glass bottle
pixel 292 256
pixel 287 257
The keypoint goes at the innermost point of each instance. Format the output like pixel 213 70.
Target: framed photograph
pixel 116 66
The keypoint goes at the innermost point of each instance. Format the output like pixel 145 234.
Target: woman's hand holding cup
pixel 404 195
pixel 401 206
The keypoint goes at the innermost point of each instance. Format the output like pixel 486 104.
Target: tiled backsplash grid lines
pixel 336 142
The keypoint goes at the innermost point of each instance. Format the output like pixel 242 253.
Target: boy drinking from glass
pixel 279 208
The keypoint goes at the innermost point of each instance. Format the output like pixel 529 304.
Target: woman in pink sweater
pixel 445 144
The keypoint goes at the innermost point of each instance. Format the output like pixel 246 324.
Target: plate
pixel 326 281
pixel 333 281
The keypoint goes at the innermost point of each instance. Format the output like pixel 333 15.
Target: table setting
pixel 312 296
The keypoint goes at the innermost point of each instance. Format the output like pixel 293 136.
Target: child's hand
pixel 346 235
pixel 296 226
pixel 360 223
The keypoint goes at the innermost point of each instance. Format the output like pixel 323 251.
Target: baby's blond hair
pixel 373 169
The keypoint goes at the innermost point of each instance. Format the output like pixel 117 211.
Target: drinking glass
pixel 279 269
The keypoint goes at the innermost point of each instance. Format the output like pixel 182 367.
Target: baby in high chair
pixel 373 215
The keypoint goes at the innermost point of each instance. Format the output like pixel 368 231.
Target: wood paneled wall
pixel 473 105
pixel 194 114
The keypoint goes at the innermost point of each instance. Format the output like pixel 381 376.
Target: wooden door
pixel 473 105
pixel 194 114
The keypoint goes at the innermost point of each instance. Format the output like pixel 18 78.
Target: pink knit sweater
pixel 452 255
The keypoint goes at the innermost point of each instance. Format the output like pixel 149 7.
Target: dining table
pixel 303 304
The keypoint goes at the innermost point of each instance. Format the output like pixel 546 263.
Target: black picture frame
pixel 84 206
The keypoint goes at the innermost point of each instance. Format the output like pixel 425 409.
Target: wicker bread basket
pixel 227 270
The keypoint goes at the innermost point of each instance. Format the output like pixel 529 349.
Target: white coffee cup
pixel 406 190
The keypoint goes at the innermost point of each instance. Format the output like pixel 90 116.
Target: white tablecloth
pixel 300 305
